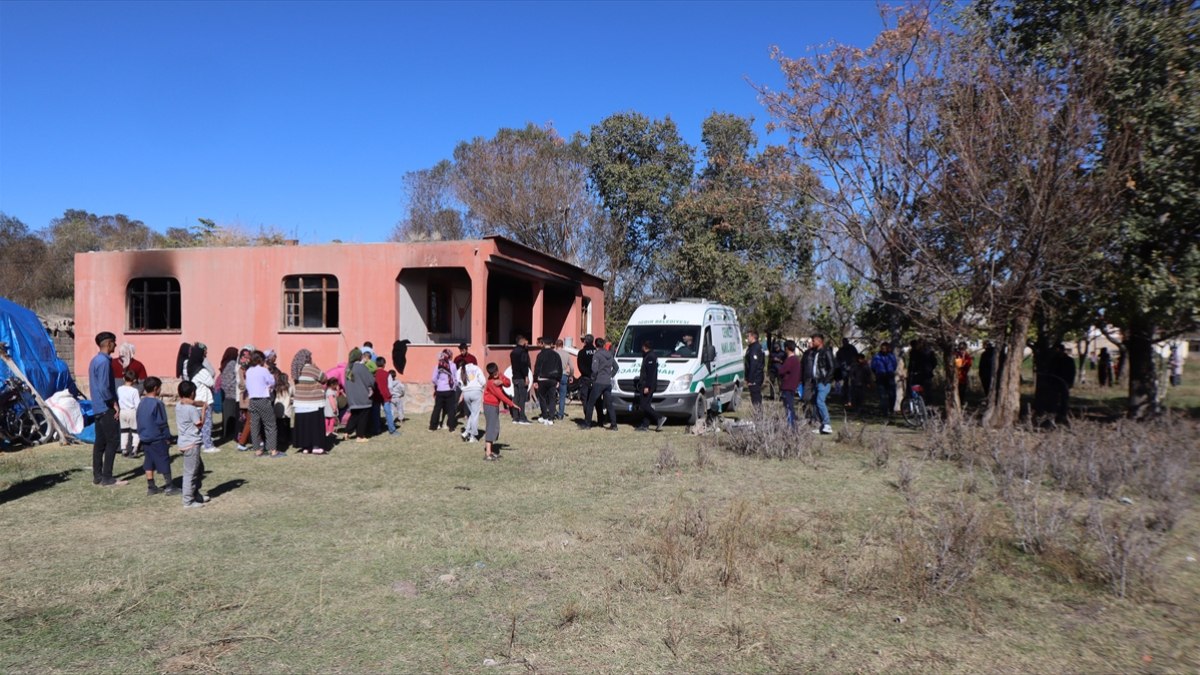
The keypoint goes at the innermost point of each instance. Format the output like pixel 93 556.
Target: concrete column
pixel 479 302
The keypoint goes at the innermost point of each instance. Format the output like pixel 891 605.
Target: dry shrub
pixel 1102 461
pixel 1043 477
pixel 1126 549
pixel 953 438
pixel 881 451
pixel 687 549
pixel 704 458
pixel 940 547
pixel 666 460
pixel 733 535
pixel 1040 518
pixel 768 437
pixel 906 480
pixel 853 436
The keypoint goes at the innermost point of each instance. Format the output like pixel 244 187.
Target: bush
pixel 768 437
pixel 1127 550
pixel 940 552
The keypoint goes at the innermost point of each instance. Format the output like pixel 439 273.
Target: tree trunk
pixel 1143 376
pixel 1006 409
pixel 953 404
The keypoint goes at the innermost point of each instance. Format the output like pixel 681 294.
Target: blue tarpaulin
pixel 33 351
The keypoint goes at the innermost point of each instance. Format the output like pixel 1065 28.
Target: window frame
pixel 329 284
pixel 173 290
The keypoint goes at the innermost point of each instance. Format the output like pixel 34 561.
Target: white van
pixel 699 347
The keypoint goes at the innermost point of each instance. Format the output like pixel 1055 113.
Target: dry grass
pixel 576 553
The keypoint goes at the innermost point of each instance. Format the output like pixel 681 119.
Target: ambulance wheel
pixel 699 410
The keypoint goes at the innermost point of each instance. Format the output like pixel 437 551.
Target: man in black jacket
pixel 520 379
pixel 547 372
pixel 647 383
pixel 755 367
pixel 584 361
pixel 818 378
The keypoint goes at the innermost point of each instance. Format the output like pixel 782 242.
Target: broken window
pixel 153 304
pixel 310 301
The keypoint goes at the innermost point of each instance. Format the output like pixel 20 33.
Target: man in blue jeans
pixel 104 408
pixel 819 378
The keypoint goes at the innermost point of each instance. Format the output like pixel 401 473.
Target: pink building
pixel 330 298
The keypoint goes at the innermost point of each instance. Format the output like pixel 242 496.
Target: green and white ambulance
pixel 699 347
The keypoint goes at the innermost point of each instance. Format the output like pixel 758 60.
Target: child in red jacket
pixel 493 396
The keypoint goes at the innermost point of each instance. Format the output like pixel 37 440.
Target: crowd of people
pixel 267 410
pixel 809 375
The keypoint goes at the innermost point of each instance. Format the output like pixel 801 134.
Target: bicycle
pixel 913 407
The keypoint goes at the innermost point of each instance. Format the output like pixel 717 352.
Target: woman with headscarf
pixel 445 387
pixel 229 392
pixel 203 379
pixel 244 358
pixel 358 394
pixel 125 362
pixel 281 399
pixel 308 402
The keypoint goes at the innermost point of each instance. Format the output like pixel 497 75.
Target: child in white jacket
pixel 128 398
pixel 396 388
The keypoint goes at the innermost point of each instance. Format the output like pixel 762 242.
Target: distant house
pixel 330 298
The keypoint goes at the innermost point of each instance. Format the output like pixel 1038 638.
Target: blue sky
pixel 305 116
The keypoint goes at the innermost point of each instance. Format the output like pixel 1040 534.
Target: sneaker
pixel 661 422
pixel 210 451
pixel 524 423
pixel 642 429
pixel 472 439
pixel 826 429
pixel 318 451
pixel 243 448
pixel 193 505
pixel 153 490
pixel 172 491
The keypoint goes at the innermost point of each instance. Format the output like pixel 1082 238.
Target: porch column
pixel 479 303
pixel 539 310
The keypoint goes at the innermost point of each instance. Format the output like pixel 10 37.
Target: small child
pixel 396 387
pixel 493 396
pixel 383 386
pixel 331 405
pixel 128 398
pixel 189 418
pixel 155 436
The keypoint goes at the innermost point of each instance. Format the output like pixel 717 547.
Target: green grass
pixel 1111 401
pixel 558 553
